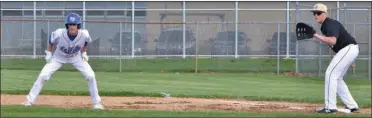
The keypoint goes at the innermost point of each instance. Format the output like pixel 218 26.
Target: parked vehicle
pixel 273 44
pixel 170 42
pixel 224 43
pixel 126 44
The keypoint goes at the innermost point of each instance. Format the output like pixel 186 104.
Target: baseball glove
pixel 304 31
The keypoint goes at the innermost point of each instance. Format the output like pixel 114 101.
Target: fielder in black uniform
pixel 346 49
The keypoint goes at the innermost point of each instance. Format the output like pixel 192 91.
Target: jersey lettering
pixel 70 50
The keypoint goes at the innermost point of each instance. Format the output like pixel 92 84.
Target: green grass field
pixel 165 65
pixel 235 79
pixel 40 111
pixel 249 86
pixel 236 85
pixel 188 65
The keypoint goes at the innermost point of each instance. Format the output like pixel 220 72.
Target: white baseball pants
pixel 334 78
pixel 53 66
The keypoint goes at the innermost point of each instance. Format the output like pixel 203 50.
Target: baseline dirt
pixel 169 104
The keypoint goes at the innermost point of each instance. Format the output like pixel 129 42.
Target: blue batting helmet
pixel 73 18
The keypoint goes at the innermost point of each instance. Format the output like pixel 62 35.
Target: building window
pixel 12 13
pixel 107 5
pixel 95 5
pixel 50 5
pixel 74 5
pixel 78 12
pixel 21 13
pixel 54 13
pixel 28 13
pixel 140 5
pixel 59 5
pixel 95 13
pixel 136 13
pixel 31 13
pixel 17 5
pixel 115 13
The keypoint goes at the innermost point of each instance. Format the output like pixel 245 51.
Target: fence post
pixel 370 45
pixel 196 47
pixel 34 48
pixel 296 41
pixel 320 59
pixel 288 31
pixel 236 28
pixel 48 37
pixel 1 30
pixel 133 29
pixel 278 49
pixel 369 48
pixel 120 45
pixel 338 11
pixel 184 29
pixel 338 19
pixel 84 14
pixel 356 38
pixel 369 58
pixel 345 14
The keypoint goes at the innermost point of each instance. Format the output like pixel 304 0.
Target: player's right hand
pixel 48 56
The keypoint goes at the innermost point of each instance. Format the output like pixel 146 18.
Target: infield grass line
pixel 219 85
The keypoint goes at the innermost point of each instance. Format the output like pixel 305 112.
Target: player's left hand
pixel 85 56
pixel 304 31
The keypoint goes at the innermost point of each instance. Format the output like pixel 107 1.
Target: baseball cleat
pixel 26 104
pixel 97 106
pixel 353 110
pixel 324 110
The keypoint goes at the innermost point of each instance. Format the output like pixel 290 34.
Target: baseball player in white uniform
pixel 71 45
pixel 347 50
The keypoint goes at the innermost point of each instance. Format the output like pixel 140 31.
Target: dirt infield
pixel 169 104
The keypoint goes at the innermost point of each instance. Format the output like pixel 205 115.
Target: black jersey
pixel 333 28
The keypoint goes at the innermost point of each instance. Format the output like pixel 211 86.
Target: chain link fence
pixel 205 47
pixel 193 40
